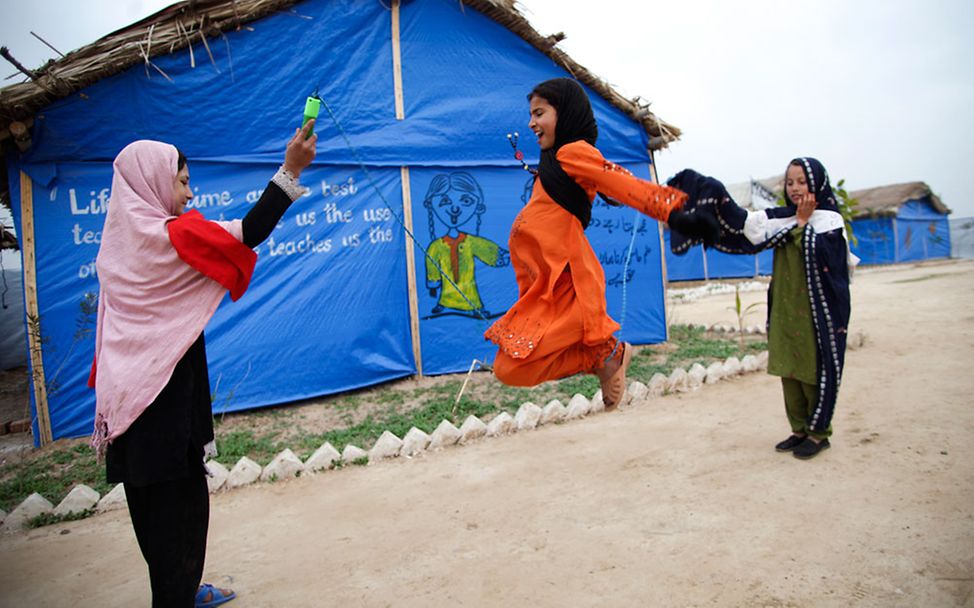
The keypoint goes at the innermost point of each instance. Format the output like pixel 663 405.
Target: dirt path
pixel 678 502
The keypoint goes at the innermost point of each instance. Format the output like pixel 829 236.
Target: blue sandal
pixel 217 597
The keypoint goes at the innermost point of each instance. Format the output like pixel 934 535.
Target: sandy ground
pixel 681 501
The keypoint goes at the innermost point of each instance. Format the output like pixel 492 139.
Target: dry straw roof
pixel 195 21
pixel 886 200
pixel 870 202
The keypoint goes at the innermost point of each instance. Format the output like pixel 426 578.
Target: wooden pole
pixel 662 255
pixel 397 62
pixel 33 314
pixel 407 212
pixel 407 200
pixel 896 242
pixel 706 273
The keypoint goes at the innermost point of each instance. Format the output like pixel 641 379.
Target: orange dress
pixel 559 325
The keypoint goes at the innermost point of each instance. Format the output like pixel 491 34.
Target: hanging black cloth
pixel 575 122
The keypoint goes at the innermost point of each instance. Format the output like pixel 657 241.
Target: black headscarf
pixel 817 179
pixel 575 122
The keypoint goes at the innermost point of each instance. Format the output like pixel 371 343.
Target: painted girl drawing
pixel 456 199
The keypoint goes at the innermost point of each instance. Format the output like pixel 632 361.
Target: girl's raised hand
pixel 301 149
pixel 805 208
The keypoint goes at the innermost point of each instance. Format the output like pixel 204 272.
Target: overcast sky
pixel 880 91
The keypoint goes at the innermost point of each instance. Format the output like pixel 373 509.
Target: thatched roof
pixel 193 21
pixel 870 202
pixel 886 200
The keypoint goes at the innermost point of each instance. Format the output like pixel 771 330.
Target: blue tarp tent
pixel 900 223
pixel 701 264
pixel 329 308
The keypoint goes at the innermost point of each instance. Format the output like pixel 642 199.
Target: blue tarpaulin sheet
pixel 917 232
pixel 328 308
pixel 699 264
pixel 874 242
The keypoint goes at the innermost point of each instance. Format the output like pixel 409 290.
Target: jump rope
pixel 312 108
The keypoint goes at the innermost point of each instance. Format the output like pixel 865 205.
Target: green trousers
pixel 800 399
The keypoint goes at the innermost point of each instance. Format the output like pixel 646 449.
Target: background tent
pixel 422 95
pixel 962 237
pixel 900 223
pixel 12 333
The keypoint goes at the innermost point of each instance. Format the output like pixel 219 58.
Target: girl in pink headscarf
pixel 162 274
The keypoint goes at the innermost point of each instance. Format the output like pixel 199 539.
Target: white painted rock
pixel 502 424
pixel 638 391
pixel 679 381
pixel 763 360
pixel 386 446
pixel 578 408
pixel 696 376
pixel 749 363
pixel 732 366
pixel 115 499
pixel 444 435
pixel 217 477
pixel 415 441
pixel 31 507
pixel 285 465
pixel 245 472
pixel 527 417
pixel 715 371
pixel 657 385
pixel 472 428
pixel 553 412
pixel 582 404
pixel 323 458
pixel 351 453
pixel 597 405
pixel 80 498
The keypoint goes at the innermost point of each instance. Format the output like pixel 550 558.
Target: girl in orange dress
pixel 559 325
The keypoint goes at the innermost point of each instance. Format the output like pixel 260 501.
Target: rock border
pixel 415 443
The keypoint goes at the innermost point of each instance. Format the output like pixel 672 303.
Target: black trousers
pixel 171 520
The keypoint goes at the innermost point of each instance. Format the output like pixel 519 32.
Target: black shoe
pixel 790 444
pixel 808 448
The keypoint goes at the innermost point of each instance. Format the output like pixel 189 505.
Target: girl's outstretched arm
pixel 586 165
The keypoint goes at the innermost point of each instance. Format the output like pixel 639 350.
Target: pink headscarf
pixel 152 305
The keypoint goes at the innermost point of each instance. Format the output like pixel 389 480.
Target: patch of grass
pixel 447 389
pixel 756 347
pixel 46 519
pixel 365 433
pixel 509 398
pixel 52 474
pixel 569 387
pixel 642 369
pixel 234 445
pixel 694 346
pixel 391 397
pixel 349 402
